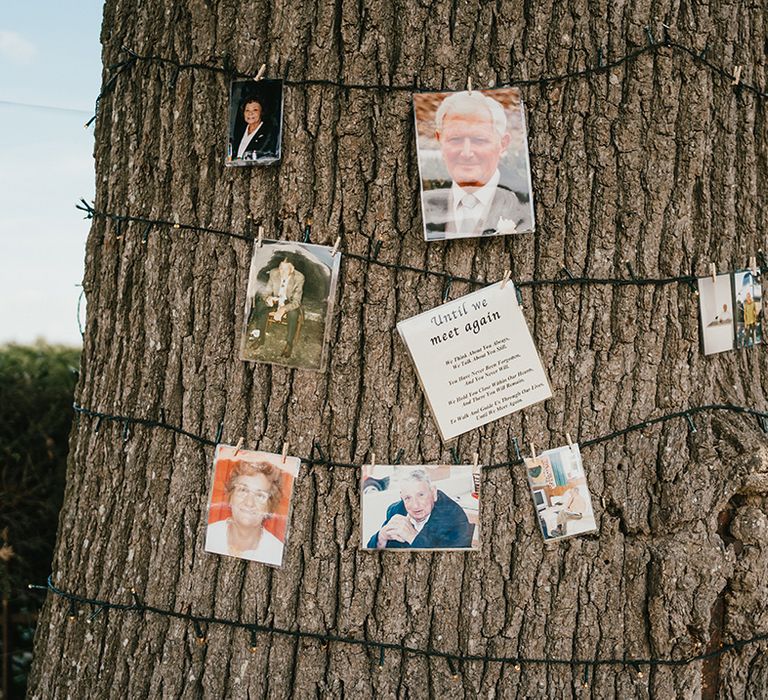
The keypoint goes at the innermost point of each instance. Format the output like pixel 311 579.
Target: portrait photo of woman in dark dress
pixel 255 122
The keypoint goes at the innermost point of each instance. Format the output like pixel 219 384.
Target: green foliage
pixel 36 388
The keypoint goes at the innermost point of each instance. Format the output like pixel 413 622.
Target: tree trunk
pixel 658 161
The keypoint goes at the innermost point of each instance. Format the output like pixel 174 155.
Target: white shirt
pixel 418 526
pixel 467 218
pixel 269 550
pixel 281 294
pixel 247 139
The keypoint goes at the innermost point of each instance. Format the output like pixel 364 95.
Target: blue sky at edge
pixel 46 163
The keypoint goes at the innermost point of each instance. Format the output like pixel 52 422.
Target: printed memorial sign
pixel 475 359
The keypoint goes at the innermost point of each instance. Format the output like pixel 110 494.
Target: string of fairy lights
pixel 318 456
pixel 224 66
pixel 454 660
pixel 566 278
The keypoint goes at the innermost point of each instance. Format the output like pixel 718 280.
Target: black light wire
pixel 326 637
pixel 227 69
pixel 687 414
pixel 567 280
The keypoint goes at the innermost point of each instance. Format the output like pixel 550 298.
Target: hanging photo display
pixel 255 122
pixel 748 308
pixel 716 312
pixel 420 507
pixel 291 287
pixel 475 359
pixel 560 493
pixel 473 162
pixel 249 504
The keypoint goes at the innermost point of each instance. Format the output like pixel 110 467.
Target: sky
pixel 50 74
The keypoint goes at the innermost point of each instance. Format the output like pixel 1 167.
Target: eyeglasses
pixel 242 492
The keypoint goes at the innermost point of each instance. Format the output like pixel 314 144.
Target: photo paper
pixel 420 507
pixel 473 161
pixel 255 122
pixel 748 306
pixel 249 504
pixel 291 288
pixel 716 314
pixel 560 494
pixel 475 359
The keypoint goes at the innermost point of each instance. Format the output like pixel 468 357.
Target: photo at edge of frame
pixel 716 314
pixel 420 507
pixel 249 504
pixel 289 304
pixel 474 165
pixel 748 308
pixel 255 126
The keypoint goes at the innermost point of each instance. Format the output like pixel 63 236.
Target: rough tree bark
pixel 660 162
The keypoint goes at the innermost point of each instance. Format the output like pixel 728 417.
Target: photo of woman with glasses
pixel 249 505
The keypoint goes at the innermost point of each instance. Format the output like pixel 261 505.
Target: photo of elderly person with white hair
pixel 422 507
pixel 473 160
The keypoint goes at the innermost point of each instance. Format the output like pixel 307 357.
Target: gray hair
pixel 471 103
pixel 416 475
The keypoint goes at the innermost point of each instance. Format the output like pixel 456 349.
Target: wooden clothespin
pixel 713 272
pixel 373 460
pixel 469 84
pixel 285 451
pixel 533 451
pixel 261 237
pixel 475 461
pixel 336 246
pixel 261 72
pixel 570 442
pixel 736 76
pixel 506 278
pixel 239 445
pixel 753 265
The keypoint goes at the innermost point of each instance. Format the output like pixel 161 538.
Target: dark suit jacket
pixel 262 145
pixel 438 213
pixel 447 527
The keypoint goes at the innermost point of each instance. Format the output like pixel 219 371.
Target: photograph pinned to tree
pixel 420 507
pixel 716 313
pixel 249 504
pixel 560 493
pixel 289 303
pixel 475 359
pixel 255 122
pixel 473 160
pixel 748 306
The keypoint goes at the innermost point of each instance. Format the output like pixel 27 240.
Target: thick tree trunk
pixel 659 161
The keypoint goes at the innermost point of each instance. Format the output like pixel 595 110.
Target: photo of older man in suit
pixel 480 195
